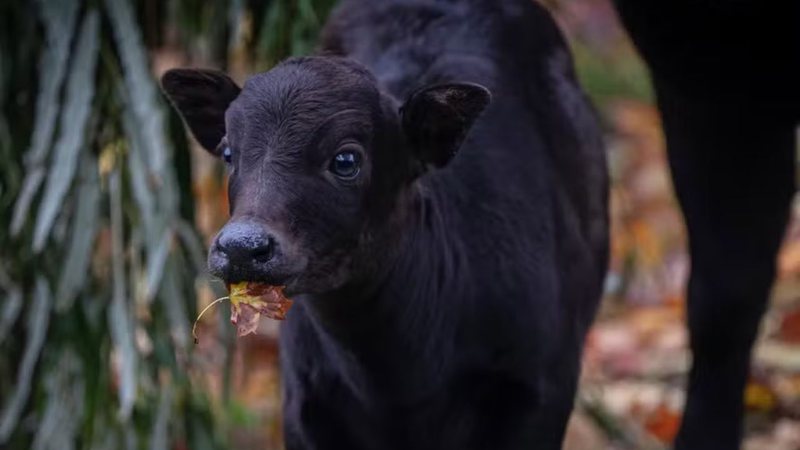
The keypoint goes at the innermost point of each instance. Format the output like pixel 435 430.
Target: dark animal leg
pixel 733 169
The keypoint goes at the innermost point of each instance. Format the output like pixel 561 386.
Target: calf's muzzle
pixel 242 251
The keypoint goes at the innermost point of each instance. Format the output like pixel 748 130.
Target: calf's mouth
pixel 251 262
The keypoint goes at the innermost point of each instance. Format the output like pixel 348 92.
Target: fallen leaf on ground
pixel 790 327
pixel 663 423
pixel 759 397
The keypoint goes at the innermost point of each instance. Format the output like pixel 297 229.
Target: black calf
pixel 446 252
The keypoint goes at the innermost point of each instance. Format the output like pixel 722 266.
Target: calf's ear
pixel 201 97
pixel 436 119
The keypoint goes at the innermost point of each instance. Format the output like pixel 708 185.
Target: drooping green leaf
pixel 84 230
pixel 38 321
pixel 174 301
pixel 63 413
pixel 159 439
pixel 59 20
pixel 74 118
pixel 12 305
pixel 141 88
pixel 120 313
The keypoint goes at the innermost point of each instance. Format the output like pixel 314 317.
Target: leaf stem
pixel 194 327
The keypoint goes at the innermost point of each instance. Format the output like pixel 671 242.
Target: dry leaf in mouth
pixel 249 300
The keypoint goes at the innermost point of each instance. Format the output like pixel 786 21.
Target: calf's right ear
pixel 201 97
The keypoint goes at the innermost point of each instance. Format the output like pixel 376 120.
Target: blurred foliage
pixel 607 64
pixel 100 259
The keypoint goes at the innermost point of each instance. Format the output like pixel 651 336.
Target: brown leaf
pixel 663 423
pixel 790 327
pixel 250 300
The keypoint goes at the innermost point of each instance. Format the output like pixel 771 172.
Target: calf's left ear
pixel 436 119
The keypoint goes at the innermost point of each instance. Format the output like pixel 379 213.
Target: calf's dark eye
pixel 226 155
pixel 346 164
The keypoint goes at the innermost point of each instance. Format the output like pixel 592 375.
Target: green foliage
pixel 612 76
pixel 99 258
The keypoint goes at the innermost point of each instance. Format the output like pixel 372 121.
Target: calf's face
pixel 320 162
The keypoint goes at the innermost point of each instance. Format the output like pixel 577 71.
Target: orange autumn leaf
pixel 250 300
pixel 663 423
pixel 759 397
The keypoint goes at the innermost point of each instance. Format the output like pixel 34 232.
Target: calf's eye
pixel 226 154
pixel 346 164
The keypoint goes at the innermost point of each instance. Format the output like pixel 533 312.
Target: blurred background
pixel 107 206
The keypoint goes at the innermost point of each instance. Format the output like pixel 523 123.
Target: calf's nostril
pixel 262 253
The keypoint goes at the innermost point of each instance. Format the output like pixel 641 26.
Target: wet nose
pixel 241 248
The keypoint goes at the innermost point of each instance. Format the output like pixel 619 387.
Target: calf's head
pixel 320 163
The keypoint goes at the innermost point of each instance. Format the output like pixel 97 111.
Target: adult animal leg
pixel 733 169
